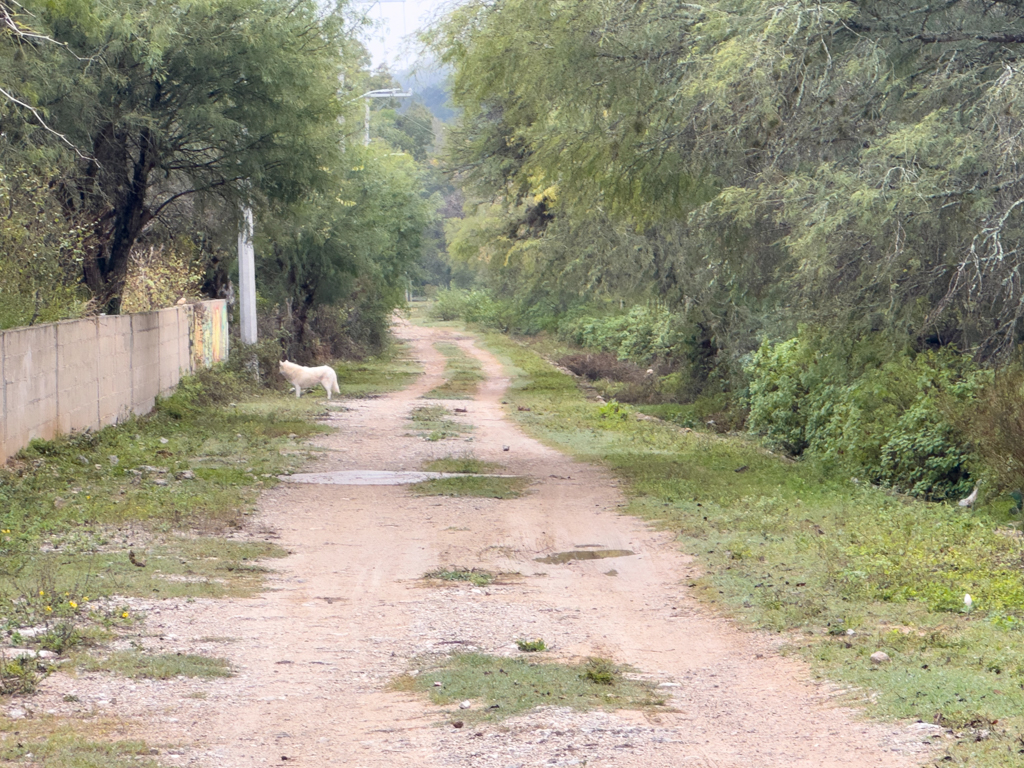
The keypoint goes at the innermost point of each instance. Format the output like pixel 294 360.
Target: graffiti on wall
pixel 208 333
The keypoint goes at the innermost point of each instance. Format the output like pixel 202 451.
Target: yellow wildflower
pixel 72 603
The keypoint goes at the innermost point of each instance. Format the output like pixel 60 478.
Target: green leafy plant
pixel 531 646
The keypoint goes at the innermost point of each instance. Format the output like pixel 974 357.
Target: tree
pixel 165 101
pixel 855 165
pixel 351 248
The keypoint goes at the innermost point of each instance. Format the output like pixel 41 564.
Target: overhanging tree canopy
pixel 167 100
pixel 854 163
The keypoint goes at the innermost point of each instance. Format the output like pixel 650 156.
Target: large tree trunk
pixel 106 269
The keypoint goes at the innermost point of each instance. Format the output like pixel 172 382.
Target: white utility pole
pixel 381 93
pixel 247 278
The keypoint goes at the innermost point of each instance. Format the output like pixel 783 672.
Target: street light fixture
pixel 380 93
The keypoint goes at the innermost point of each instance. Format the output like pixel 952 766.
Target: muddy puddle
pixel 583 554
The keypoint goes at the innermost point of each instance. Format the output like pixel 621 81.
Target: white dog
pixel 302 377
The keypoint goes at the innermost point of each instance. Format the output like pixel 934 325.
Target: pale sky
pixel 392 40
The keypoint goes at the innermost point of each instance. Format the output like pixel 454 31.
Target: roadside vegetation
pixel 842 568
pixel 157 507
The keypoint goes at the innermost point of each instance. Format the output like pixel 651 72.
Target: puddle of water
pixel 372 477
pixel 583 554
pixel 364 477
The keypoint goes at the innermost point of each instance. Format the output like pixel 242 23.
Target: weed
pixel 19 675
pixel 483 487
pixel 66 749
pixel 507 687
pixel 61 638
pixel 389 372
pixel 602 671
pixel 613 410
pixel 531 646
pixel 474 576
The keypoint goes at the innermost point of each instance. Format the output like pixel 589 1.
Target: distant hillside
pixel 430 84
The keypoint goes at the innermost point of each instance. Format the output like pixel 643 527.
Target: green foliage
pixel 531 646
pixel 995 427
pixel 40 251
pixel 891 423
pixel 474 576
pixel 795 546
pixel 468 306
pixel 349 248
pixel 18 676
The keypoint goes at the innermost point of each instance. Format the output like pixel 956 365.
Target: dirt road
pixel 348 610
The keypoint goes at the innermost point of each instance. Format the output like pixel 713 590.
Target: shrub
pixel 892 423
pixel 995 426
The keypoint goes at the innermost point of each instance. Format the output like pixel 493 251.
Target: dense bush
pixel 996 428
pixel 892 423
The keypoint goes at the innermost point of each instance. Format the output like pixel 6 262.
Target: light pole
pixel 246 279
pixel 380 93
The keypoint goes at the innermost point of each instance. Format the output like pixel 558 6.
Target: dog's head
pixel 283 367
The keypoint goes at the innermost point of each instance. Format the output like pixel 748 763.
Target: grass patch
pixel 431 423
pixel 474 576
pixel 462 465
pixel 482 487
pixel 165 488
pixel 794 548
pixel 462 375
pixel 66 749
pixel 168 489
pixel 389 372
pixel 164 666
pixel 502 688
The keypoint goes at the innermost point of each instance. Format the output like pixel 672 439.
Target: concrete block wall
pixel 87 374
pixel 77 374
pixel 115 368
pixel 30 386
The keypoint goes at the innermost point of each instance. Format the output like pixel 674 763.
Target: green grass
pixel 164 666
pixel 431 423
pixel 461 373
pixel 387 373
pixel 796 549
pixel 66 749
pixel 482 487
pixel 500 688
pixel 474 576
pixel 70 514
pixel 462 465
